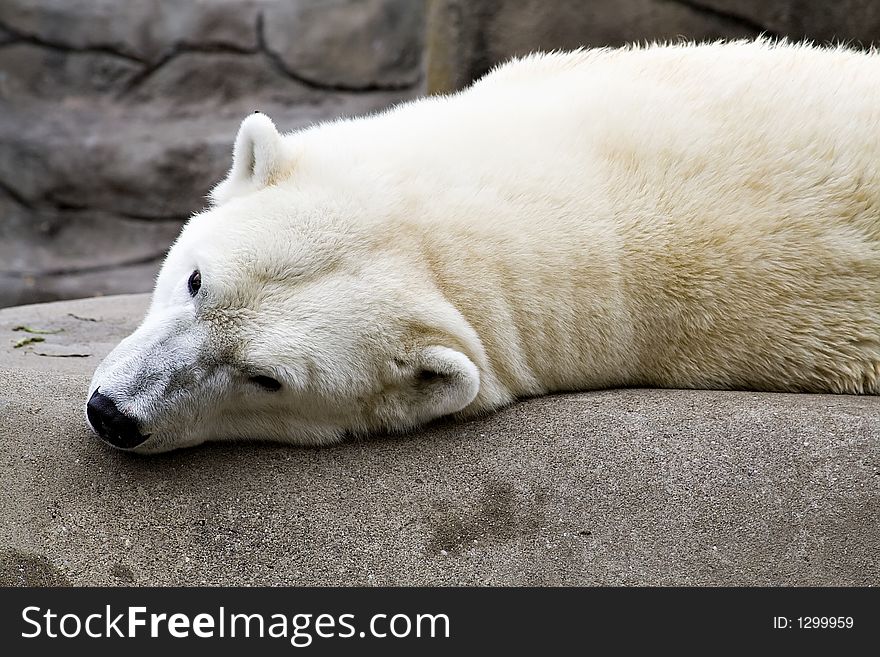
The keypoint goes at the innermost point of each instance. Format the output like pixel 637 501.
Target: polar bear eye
pixel 194 283
pixel 266 382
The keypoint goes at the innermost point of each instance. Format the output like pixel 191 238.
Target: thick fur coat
pixel 691 216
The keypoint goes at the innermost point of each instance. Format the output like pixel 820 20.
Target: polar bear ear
pixel 435 381
pixel 258 159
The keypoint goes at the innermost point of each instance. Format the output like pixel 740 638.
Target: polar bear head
pixel 297 308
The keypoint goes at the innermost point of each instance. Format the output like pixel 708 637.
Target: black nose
pixel 111 424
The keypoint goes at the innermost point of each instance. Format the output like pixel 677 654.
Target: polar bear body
pixel 675 216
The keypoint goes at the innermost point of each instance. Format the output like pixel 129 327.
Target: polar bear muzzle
pixel 112 425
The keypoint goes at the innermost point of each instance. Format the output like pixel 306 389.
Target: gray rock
pixel 197 82
pixel 36 72
pixel 467 37
pixel 855 21
pixel 117 118
pixel 5 36
pixel 40 241
pixel 21 288
pixel 140 166
pixel 351 44
pixel 147 30
pixel 617 487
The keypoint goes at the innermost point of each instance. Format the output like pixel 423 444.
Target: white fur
pixel 677 216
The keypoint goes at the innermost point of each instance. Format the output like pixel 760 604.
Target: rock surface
pixel 467 37
pixel 117 118
pixel 373 43
pixel 612 487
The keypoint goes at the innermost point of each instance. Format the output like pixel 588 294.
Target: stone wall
pixel 465 38
pixel 117 117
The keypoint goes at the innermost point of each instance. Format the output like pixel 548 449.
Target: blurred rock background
pixel 116 118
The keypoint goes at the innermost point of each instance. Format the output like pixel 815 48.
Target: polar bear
pixel 688 216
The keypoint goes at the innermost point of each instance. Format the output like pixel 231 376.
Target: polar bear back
pixel 683 216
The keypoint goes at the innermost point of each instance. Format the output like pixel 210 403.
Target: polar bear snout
pixel 112 425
